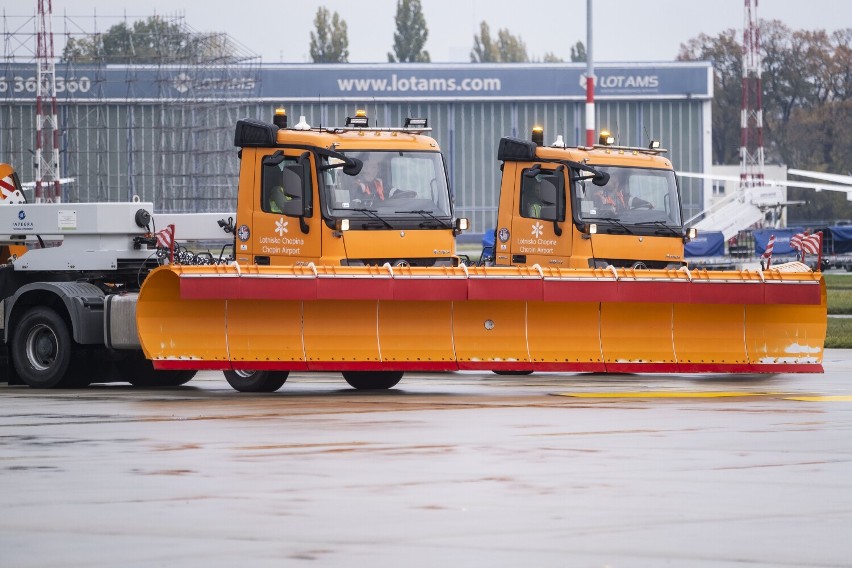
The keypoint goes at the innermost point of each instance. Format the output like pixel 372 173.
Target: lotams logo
pixel 632 82
pixel 183 82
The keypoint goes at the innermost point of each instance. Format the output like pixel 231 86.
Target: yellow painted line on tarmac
pixel 662 394
pixel 827 398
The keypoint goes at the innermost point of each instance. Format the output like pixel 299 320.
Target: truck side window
pixel 273 193
pixel 533 199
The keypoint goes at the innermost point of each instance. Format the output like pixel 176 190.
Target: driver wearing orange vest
pixel 370 184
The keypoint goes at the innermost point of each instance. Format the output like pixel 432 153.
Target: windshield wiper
pixel 660 224
pixel 612 220
pixel 371 212
pixel 428 214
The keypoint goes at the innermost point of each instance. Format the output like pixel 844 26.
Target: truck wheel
pixel 163 379
pixel 140 372
pixel 372 380
pixel 512 372
pixel 41 349
pixel 256 381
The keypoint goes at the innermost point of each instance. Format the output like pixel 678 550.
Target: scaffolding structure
pixel 156 127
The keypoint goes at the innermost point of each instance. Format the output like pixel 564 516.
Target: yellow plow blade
pixel 521 318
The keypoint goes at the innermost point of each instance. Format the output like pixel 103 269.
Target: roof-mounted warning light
pixel 360 120
pixel 654 145
pixel 538 135
pixel 279 119
pixel 606 139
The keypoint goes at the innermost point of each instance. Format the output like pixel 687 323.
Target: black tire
pixel 256 381
pixel 512 372
pixel 42 349
pixel 140 372
pixel 164 379
pixel 372 380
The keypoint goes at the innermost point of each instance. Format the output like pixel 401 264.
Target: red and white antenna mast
pixel 751 117
pixel 590 80
pixel 47 126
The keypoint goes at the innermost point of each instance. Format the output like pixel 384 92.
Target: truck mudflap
pixel 483 318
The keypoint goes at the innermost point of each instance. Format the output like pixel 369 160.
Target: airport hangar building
pixel 165 133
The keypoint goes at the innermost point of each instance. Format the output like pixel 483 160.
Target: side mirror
pixel 601 179
pixel 547 193
pixel 297 189
pixel 559 180
pixel 353 167
pixel 294 189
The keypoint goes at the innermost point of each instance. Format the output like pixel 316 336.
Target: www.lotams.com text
pixel 414 83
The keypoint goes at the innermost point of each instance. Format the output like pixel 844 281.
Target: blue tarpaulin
pixel 782 240
pixel 842 238
pixel 488 239
pixel 711 243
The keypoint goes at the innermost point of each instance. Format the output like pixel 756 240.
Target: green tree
pixel 578 52
pixel 411 34
pixel 153 40
pixel 507 48
pixel 512 49
pixel 329 41
pixel 484 50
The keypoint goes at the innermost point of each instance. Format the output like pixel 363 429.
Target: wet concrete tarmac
pixel 463 469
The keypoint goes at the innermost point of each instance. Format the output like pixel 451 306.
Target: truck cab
pixel 346 196
pixel 587 207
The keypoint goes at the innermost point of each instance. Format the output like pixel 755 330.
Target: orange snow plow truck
pixel 345 260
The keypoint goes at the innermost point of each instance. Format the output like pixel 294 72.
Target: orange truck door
pixel 278 238
pixel 534 235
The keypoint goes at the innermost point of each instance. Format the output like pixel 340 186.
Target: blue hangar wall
pixel 166 133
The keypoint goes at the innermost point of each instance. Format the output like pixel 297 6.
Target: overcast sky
pixel 624 30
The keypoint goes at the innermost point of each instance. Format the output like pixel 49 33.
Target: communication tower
pixel 47 125
pixel 751 115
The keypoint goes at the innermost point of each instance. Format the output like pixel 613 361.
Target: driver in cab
pixel 616 195
pixel 369 186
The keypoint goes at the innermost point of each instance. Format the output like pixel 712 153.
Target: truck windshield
pixel 392 185
pixel 632 197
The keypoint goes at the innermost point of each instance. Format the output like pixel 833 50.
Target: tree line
pixel 156 40
pixel 806 75
pixel 330 41
pixel 807 105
